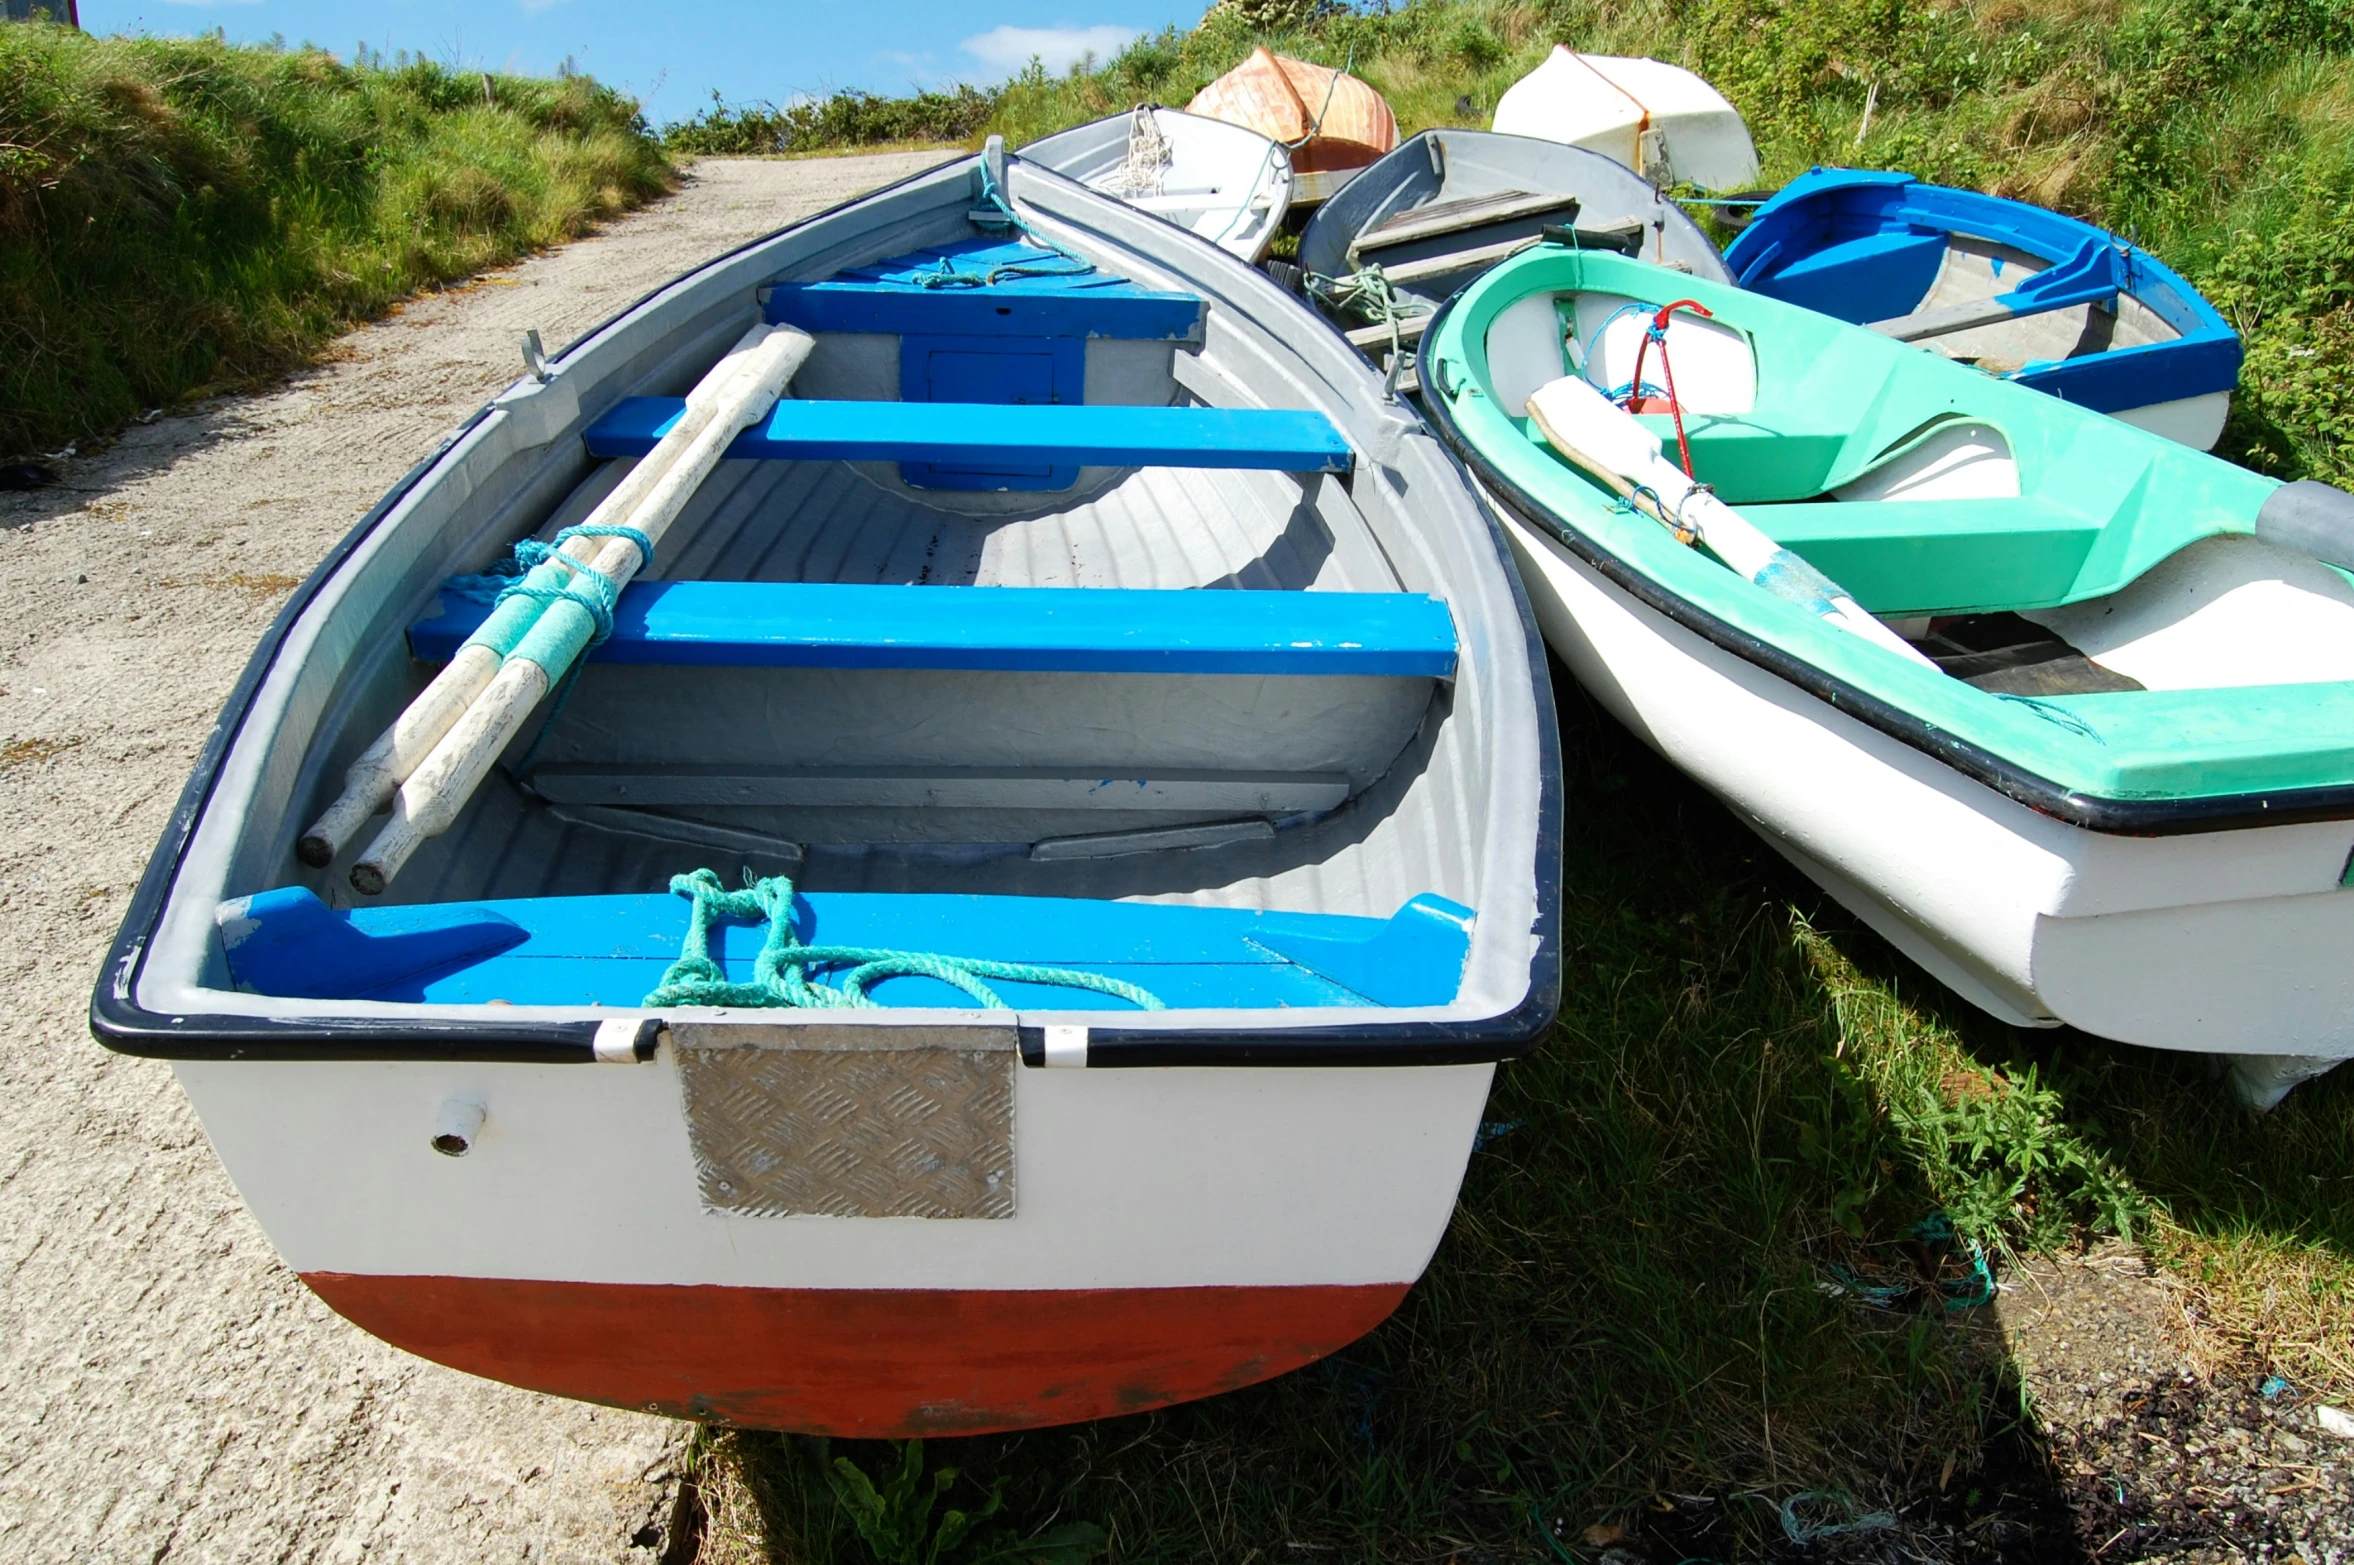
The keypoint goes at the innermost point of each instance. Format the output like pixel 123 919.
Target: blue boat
pixel 1011 919
pixel 2045 300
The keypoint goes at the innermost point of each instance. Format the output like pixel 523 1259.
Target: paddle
pixel 439 751
pixel 370 780
pixel 1605 440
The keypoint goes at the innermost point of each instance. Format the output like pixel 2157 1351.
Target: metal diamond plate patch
pixel 846 1121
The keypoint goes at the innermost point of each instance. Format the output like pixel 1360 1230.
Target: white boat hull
pixel 2196 422
pixel 1168 1224
pixel 2230 943
pixel 1227 183
pixel 1660 120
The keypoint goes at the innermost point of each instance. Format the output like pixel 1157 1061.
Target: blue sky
pixel 672 56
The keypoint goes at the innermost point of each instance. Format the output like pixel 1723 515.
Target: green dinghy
pixel 2105 778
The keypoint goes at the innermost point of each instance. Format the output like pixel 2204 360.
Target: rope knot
pixel 781 973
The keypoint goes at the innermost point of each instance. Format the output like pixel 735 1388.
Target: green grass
pixel 182 214
pixel 2219 133
pixel 1747 1097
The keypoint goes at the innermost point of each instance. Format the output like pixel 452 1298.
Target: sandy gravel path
pixel 167 1389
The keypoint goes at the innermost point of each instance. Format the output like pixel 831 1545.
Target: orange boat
pixel 1333 123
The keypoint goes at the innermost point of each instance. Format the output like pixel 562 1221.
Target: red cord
pixel 1674 406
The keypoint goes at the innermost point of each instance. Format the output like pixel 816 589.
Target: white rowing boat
pixel 1138 762
pixel 1227 183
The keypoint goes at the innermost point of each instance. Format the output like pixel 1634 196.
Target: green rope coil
pixel 781 973
pixel 537 577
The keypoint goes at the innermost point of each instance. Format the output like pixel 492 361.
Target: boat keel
pixel 865 1363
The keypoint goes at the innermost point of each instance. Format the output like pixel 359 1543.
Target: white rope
pixel 1149 156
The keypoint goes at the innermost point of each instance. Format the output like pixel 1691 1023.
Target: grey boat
pixel 1137 759
pixel 1449 204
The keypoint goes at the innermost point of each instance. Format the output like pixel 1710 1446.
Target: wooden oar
pixel 1590 430
pixel 401 748
pixel 432 796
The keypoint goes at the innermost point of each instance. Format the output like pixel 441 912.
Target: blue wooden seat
pixel 613 950
pixel 997 321
pixel 1044 629
pixel 889 296
pixel 1280 440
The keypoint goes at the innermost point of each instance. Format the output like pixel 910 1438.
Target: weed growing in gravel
pixel 181 213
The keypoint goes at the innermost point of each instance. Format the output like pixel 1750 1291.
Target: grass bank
pixel 1648 1317
pixel 177 214
pixel 2219 133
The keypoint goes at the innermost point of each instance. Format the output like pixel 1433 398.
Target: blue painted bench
pixel 1094 630
pixel 612 950
pixel 1018 339
pixel 888 297
pixel 1003 435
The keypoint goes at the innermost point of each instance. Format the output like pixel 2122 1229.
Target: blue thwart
pixel 623 951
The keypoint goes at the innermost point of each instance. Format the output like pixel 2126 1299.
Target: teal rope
pixel 949 277
pixel 538 573
pixel 1956 1293
pixel 780 974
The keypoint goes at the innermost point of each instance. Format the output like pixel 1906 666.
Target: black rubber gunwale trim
pixel 121 1024
pixel 2093 812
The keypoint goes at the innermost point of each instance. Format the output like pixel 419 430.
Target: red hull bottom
pixel 864 1362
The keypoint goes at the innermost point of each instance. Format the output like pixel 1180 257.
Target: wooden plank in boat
pixel 1378 336
pixel 1097 630
pixel 1454 217
pixel 1282 440
pixel 1478 258
pixel 612 950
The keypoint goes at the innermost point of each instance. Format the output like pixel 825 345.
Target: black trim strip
pixel 2093 812
pixel 121 1024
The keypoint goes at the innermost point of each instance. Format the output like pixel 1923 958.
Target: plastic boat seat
pixel 904 703
pixel 891 296
pixel 1939 556
pixel 612 950
pixel 1003 435
pixel 1096 630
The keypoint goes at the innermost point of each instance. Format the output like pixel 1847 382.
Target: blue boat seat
pixel 1001 322
pixel 613 950
pixel 889 296
pixel 1008 629
pixel 1003 435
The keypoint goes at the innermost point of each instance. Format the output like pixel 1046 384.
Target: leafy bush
pixel 178 213
pixel 2219 133
pixel 845 119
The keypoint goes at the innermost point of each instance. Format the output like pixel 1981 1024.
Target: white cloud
pixel 1056 48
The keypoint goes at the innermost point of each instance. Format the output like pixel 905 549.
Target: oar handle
pixel 372 779
pixel 431 799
